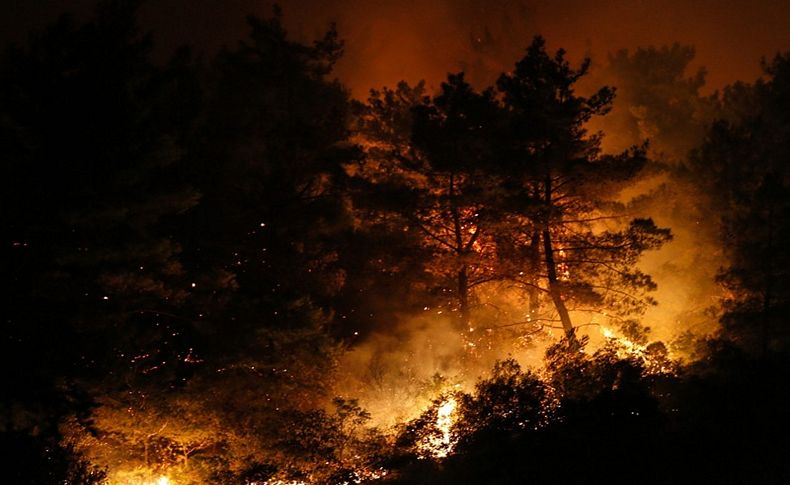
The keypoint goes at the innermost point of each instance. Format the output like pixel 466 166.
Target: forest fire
pixel 441 445
pixel 629 346
pixel 162 480
pixel 137 477
pixel 225 269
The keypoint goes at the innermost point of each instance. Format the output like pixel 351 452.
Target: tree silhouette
pixel 562 188
pixel 742 166
pixel 95 132
pixel 427 162
pixel 507 184
pixel 657 100
pixel 266 158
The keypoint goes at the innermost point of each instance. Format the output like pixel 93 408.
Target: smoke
pixel 409 360
pixel 685 268
pixel 396 373
pixel 390 40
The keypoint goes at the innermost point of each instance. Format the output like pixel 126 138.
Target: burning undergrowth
pixel 423 383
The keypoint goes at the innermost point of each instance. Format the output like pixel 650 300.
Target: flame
pixel 138 476
pixel 629 348
pixel 162 480
pixel 629 345
pixel 440 446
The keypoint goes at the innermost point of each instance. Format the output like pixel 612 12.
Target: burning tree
pixel 426 170
pixel 506 184
pixel 560 189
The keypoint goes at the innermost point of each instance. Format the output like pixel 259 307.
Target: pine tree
pixel 568 219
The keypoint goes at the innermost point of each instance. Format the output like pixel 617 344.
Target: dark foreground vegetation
pixel 190 247
pixel 718 422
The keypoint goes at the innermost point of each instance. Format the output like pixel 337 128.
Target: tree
pixel 427 165
pixel 266 158
pixel 264 411
pixel 516 426
pixel 561 203
pixel 93 137
pixel 505 184
pixel 742 168
pixel 510 401
pixel 657 100
pixel 116 301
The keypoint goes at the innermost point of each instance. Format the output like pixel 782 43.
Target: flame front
pixel 440 444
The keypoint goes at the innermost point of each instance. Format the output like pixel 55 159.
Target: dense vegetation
pixel 191 247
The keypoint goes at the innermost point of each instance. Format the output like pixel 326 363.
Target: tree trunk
pixel 534 270
pixel 554 288
pixel 463 298
pixel 768 289
pixel 551 270
pixel 461 250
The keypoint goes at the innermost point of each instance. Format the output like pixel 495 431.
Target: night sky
pixel 387 41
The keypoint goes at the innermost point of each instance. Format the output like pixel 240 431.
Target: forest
pixel 226 269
